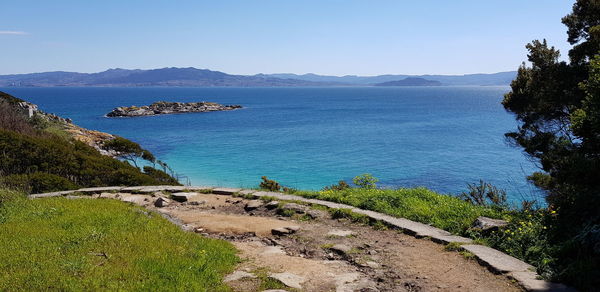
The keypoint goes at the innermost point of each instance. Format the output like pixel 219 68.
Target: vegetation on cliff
pixel 89 245
pixel 36 155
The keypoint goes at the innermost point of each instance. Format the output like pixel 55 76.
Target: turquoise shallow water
pixel 438 137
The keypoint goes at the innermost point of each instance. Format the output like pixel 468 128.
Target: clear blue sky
pixel 334 37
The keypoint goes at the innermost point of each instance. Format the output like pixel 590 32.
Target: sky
pixel 331 37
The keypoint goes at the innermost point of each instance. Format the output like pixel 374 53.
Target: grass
pixel 62 244
pixel 327 245
pixel 266 282
pixel 453 246
pixel 418 204
pixel 286 212
pixel 348 214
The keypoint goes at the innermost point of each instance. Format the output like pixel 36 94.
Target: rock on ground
pixel 289 279
pixel 238 275
pixel 253 205
pixel 285 230
pixel 341 249
pixel 182 197
pixel 340 233
pixel 162 202
pixel 295 207
pixel 485 223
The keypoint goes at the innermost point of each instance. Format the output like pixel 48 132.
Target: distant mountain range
pixel 411 81
pixel 501 78
pixel 203 77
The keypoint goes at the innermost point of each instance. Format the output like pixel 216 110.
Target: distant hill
pixel 501 78
pixel 154 77
pixel 203 77
pixel 411 81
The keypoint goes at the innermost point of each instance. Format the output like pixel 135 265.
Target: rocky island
pixel 164 107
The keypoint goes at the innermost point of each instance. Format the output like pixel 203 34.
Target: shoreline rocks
pixel 164 107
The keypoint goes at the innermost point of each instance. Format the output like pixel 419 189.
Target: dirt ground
pixel 323 254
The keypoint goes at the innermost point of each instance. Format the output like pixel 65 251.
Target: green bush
pixel 341 185
pixel 365 181
pixel 39 182
pixel 72 160
pixel 160 176
pixel 268 184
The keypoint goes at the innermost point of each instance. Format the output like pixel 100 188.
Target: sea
pixel 438 137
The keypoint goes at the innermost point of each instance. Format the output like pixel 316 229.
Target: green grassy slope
pixel 418 204
pixel 84 244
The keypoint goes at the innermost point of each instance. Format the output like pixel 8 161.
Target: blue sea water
pixel 438 137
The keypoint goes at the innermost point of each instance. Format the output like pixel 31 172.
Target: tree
pixel 128 150
pixel 557 106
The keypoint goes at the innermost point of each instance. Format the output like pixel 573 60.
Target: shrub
pixel 270 185
pixel 341 185
pixel 160 176
pixel 484 194
pixel 38 182
pixel 365 181
pixel 526 238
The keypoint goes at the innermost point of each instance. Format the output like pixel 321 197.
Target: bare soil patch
pixel 326 254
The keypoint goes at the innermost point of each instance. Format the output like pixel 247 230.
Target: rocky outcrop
pixel 92 138
pixel 163 107
pixel 488 224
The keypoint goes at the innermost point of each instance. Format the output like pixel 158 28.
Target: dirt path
pixel 310 251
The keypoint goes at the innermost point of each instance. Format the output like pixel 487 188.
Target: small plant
pixel 378 225
pixel 365 181
pixel 267 199
pixel 248 196
pixel 484 194
pixel 269 184
pixel 341 185
pixel 348 214
pixel 453 246
pixel 327 245
pixel 289 190
pixel 286 212
pixel 305 217
pixel 467 255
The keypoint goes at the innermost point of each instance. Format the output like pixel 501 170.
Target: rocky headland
pixel 92 138
pixel 164 107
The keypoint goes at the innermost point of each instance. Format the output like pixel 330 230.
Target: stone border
pixel 496 261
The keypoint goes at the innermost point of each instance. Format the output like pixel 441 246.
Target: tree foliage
pixel 128 150
pixel 269 184
pixel 557 105
pixel 365 181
